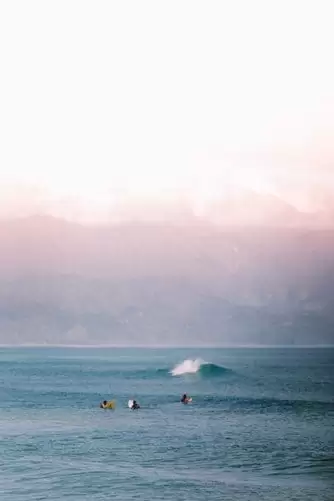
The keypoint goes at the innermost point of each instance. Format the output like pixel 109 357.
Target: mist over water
pixel 140 285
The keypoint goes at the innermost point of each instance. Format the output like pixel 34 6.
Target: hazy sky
pixel 107 102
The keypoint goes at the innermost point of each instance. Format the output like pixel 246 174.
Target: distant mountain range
pixel 139 283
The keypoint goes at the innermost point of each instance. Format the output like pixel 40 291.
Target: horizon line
pixel 149 346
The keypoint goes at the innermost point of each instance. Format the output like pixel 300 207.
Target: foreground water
pixel 260 426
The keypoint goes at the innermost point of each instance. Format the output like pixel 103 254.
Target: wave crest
pixel 198 365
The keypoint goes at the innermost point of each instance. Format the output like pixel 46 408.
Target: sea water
pixel 260 426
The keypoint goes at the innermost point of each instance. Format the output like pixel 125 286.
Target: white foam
pixel 187 367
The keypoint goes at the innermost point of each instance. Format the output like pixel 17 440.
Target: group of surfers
pixel 110 404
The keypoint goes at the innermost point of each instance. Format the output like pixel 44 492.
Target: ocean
pixel 260 426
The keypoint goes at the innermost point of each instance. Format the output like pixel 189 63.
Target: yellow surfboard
pixel 111 404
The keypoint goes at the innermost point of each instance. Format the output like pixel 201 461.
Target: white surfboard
pixel 130 404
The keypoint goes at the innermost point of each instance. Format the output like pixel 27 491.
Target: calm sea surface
pixel 260 426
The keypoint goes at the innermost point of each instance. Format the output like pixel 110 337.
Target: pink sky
pixel 130 105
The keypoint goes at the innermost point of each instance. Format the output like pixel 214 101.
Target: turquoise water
pixel 260 426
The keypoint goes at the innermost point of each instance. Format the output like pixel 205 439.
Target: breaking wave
pixel 198 366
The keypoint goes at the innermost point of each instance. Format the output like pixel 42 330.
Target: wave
pixel 198 366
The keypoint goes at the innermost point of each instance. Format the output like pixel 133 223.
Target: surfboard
pixel 130 404
pixel 111 404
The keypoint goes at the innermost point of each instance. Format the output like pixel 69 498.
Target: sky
pixel 126 104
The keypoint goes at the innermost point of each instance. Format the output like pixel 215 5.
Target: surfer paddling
pixel 185 399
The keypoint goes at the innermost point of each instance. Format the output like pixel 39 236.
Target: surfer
pixel 185 399
pixel 135 405
pixel 107 405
